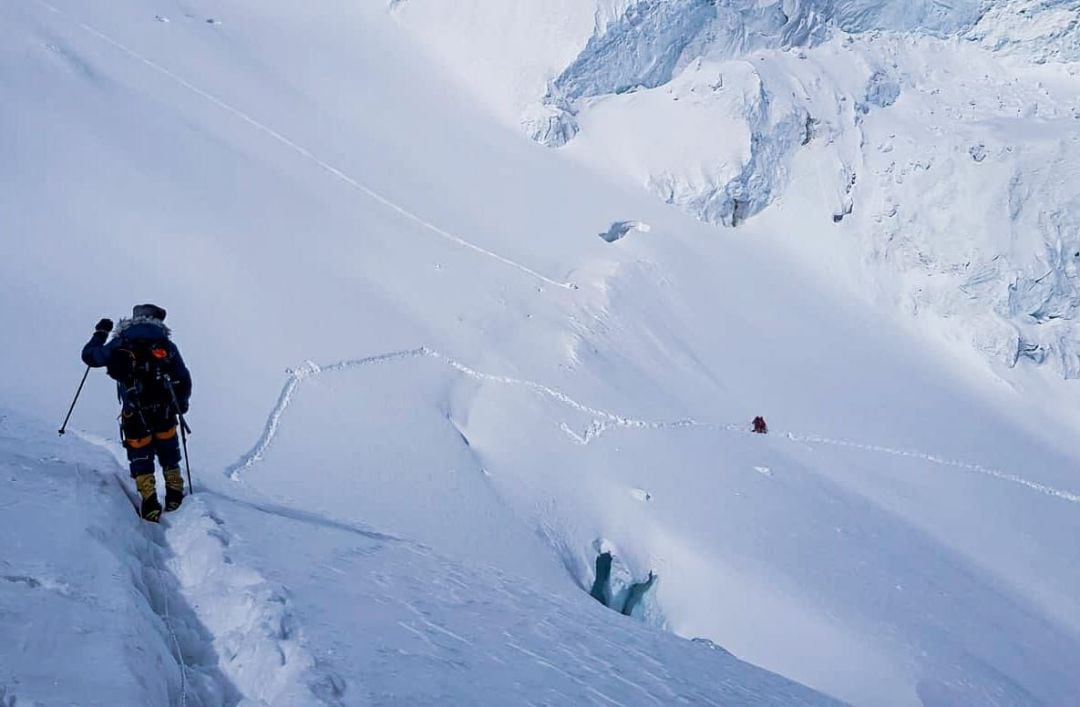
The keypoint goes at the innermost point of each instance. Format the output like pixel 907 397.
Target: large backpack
pixel 141 367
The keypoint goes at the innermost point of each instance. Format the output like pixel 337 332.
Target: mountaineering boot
pixel 174 489
pixel 151 507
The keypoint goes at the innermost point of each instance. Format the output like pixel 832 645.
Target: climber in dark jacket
pixel 144 362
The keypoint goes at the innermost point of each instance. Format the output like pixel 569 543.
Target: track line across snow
pixel 939 460
pixel 305 153
pixel 603 420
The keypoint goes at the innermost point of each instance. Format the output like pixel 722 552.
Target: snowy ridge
pixel 604 420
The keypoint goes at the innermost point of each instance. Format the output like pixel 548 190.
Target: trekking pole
pixel 63 427
pixel 184 430
pixel 187 460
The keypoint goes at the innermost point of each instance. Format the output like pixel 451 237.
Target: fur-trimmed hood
pixel 142 328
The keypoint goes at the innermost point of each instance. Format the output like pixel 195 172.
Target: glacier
pixel 442 369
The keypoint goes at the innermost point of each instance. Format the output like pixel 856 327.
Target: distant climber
pixel 759 426
pixel 153 386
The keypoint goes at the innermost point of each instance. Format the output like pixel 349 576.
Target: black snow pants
pixel 150 431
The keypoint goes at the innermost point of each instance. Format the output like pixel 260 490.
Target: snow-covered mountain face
pixel 940 141
pixel 472 415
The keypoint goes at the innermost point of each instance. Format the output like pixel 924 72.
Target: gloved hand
pixel 105 326
pixel 183 407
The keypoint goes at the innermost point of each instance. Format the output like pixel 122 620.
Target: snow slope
pixel 177 614
pixel 102 609
pixel 941 137
pixel 441 369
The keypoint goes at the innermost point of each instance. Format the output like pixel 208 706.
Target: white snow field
pixel 445 374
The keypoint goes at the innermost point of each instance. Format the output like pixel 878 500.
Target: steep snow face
pixel 940 138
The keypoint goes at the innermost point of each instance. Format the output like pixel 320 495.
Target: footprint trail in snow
pixel 603 420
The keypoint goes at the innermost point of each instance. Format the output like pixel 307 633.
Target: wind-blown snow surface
pixel 428 395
